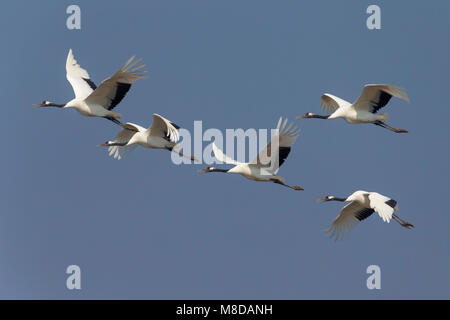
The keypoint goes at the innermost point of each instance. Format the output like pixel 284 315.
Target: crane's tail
pixel 384 117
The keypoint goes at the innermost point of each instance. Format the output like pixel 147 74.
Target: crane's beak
pixel 102 145
pixel 39 104
pixel 204 170
pixel 322 200
pixel 303 116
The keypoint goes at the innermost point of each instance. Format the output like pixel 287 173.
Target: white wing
pixel 133 127
pixel 376 96
pixel 78 78
pixel 129 129
pixel 112 90
pixel 223 157
pixel 161 127
pixel 283 139
pixel 331 103
pixel 349 216
pixel 378 203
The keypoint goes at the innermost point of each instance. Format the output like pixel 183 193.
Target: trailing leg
pixel 114 120
pixel 192 158
pixel 384 125
pixel 402 222
pixel 286 185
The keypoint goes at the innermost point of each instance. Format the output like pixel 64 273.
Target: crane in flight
pixel 268 161
pixel 162 134
pixel 362 205
pixel 93 101
pixel 364 109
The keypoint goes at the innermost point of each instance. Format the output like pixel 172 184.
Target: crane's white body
pixel 255 172
pixel 162 134
pixel 351 114
pixel 90 110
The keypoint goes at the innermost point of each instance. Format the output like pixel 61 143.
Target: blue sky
pixel 144 228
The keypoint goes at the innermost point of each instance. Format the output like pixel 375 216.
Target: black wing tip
pixel 382 100
pixel 175 125
pixel 392 203
pixel 90 83
pixel 363 214
pixel 283 153
pixel 121 91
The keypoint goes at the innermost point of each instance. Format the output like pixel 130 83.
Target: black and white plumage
pixel 265 166
pixel 162 134
pixel 93 101
pixel 364 109
pixel 362 205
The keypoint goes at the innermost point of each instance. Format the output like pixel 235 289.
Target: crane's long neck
pixel 310 115
pixel 118 144
pixel 54 105
pixel 217 170
pixel 317 116
pixel 212 169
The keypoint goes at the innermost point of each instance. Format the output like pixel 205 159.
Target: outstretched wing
pixel 331 103
pixel 276 151
pixel 161 127
pixel 383 205
pixel 112 90
pixel 349 216
pixel 376 96
pixel 129 129
pixel 222 157
pixel 78 78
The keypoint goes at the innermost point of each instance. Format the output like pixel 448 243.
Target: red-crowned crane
pixel 362 205
pixel 267 163
pixel 162 134
pixel 93 101
pixel 364 109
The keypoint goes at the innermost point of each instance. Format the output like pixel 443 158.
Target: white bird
pixel 93 101
pixel 362 205
pixel 364 109
pixel 162 134
pixel 265 166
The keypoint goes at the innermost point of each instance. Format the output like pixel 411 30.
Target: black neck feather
pixel 54 105
pixel 218 170
pixel 318 116
pixel 338 199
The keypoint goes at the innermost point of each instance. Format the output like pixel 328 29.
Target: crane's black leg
pixel 384 125
pixel 286 185
pixel 114 120
pixel 192 158
pixel 402 222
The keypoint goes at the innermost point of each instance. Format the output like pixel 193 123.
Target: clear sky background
pixel 145 228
